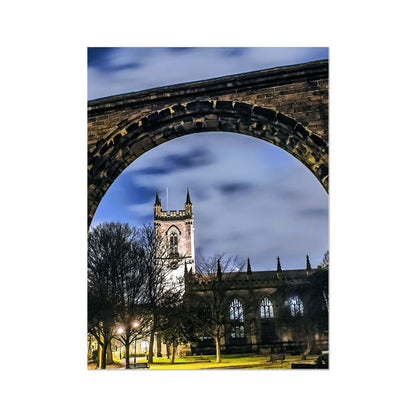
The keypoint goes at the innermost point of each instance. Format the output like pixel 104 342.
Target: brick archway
pixel 124 127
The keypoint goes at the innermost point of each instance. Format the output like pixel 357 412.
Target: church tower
pixel 177 227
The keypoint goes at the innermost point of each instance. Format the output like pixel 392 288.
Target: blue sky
pixel 250 198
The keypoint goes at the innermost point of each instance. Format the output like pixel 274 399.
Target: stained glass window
pixel 236 316
pixel 266 308
pixel 236 310
pixel 296 306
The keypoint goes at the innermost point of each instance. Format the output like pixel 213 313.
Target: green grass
pixel 232 361
pixel 227 361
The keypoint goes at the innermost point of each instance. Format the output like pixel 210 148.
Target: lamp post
pixel 135 325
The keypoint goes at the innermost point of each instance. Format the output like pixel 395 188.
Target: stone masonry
pixel 176 227
pixel 286 106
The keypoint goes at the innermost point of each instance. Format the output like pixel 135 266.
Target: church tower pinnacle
pixel 308 264
pixel 279 267
pixel 157 207
pixel 248 267
pixel 188 203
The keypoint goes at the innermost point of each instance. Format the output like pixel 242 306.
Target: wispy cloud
pixel 121 70
pixel 235 188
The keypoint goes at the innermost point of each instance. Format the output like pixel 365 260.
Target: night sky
pixel 250 198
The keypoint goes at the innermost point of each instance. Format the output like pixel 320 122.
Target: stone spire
pixel 248 267
pixel 188 198
pixel 157 200
pixel 219 272
pixel 188 203
pixel 157 207
pixel 279 267
pixel 308 264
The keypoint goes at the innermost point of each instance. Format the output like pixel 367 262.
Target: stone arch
pixel 137 134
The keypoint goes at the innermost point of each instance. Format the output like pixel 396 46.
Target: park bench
pixel 304 365
pixel 277 357
pixel 202 360
pixel 139 365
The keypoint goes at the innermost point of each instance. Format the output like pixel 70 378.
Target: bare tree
pixel 325 265
pixel 306 315
pixel 131 287
pixel 115 283
pixel 303 333
pixel 161 292
pixel 128 332
pixel 100 322
pixel 208 296
pixel 176 328
pixel 325 260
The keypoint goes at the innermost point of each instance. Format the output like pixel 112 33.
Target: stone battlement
pixel 173 215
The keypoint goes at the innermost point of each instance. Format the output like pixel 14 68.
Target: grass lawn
pixel 227 362
pixel 237 361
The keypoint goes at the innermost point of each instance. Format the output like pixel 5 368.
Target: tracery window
pixel 237 319
pixel 266 308
pixel 204 311
pixel 296 306
pixel 236 310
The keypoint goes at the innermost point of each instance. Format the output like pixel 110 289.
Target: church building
pixel 268 311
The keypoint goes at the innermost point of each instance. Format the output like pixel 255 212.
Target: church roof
pixel 296 276
pixel 286 277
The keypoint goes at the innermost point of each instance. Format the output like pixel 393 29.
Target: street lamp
pixel 135 325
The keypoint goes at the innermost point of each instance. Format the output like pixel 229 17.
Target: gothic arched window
pixel 296 306
pixel 173 243
pixel 266 308
pixel 237 319
pixel 268 333
pixel 236 310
